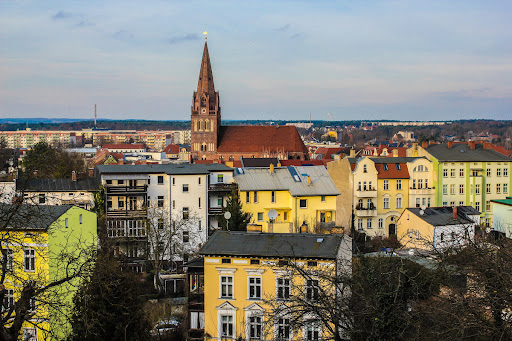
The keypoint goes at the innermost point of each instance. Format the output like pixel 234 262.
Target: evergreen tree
pixel 239 219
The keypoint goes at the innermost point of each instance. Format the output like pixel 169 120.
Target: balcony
pixel 366 193
pixel 215 210
pixel 422 191
pixel 326 224
pixel 221 187
pixel 124 190
pixel 362 211
pixel 126 214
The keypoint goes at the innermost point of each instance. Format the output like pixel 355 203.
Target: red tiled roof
pixel 123 146
pixel 203 161
pixel 258 139
pixel 295 162
pixel 118 156
pixel 392 172
pixel 172 149
pixel 502 150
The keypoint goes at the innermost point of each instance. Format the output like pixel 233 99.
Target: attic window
pixel 398 166
pixel 386 166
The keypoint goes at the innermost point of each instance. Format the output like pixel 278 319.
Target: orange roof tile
pixel 124 146
pixel 392 172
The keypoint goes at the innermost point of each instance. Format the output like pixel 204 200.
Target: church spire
pixel 205 84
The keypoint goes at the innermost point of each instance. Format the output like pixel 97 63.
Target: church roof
pixel 258 139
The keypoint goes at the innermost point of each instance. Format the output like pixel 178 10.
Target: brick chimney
pixel 454 213
pixel 120 162
pixel 424 144
pixel 471 144
pixel 73 175
pixel 450 144
pixel 431 142
pixel 309 180
pixel 271 168
pixel 352 153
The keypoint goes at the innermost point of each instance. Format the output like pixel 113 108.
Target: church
pixel 212 141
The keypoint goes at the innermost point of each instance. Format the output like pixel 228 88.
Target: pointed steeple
pixel 205 83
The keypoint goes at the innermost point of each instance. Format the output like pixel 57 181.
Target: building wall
pixel 341 175
pixel 360 178
pixel 502 221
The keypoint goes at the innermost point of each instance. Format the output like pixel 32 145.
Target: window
pixel 461 189
pixel 385 166
pixel 185 236
pixel 32 305
pixel 7 258
pixel 199 225
pixel 452 189
pixel 42 199
pixel 220 178
pixel 420 183
pixel 398 202
pixel 160 201
pixel 505 188
pixel 418 202
pixel 359 186
pixel 452 173
pixel 386 202
pixel 255 197
pixel 505 171
pixel 445 203
pixel 120 182
pixel 80 218
pixel 227 326
pixel 196 320
pixel 428 202
pixel 226 286
pixel 109 182
pixel 498 188
pixel 386 185
pixel 461 172
pixel 397 166
pixel 313 332
pixel 498 172
pixel 283 329
pixel 452 203
pixel 66 222
pixel 199 202
pixel 488 188
pixel 260 216
pixel 273 197
pixel 322 198
pixel 365 169
pixel 359 224
pixel 185 188
pixel 312 289
pixel 381 223
pixel 477 206
pixel 8 299
pixel 285 216
pixel 161 180
pixel 398 184
pixel 369 223
pixel 303 203
pixel 255 327
pixel 219 201
pixel 488 205
pixel 255 261
pixel 29 260
pixel 173 181
pixel 199 181
pixel 477 188
pixel 255 288
pixel 247 198
pixel 445 173
pixel 461 203
pixel 283 288
pixel 226 260
pixel 488 172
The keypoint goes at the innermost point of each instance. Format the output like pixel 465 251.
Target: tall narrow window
pixel 226 286
pixel 255 288
pixel 283 288
pixel 227 326
pixel 312 289
pixel 247 197
pixel 255 327
pixel 283 329
pixel 255 197
pixel 273 197
pixel 29 259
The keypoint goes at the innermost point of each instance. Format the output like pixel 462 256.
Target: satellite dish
pixel 272 214
pixel 422 212
pixel 227 215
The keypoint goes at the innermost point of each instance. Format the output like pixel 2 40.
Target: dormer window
pixel 386 166
pixel 398 166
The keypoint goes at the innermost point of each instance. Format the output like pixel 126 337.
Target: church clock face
pixel 203 110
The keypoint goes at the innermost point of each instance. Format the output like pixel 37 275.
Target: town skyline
pixel 270 61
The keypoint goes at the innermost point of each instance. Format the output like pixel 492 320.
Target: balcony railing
pixel 221 187
pixel 126 213
pixel 327 224
pixel 366 193
pixel 215 210
pixel 120 190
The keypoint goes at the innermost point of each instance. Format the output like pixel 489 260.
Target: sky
pixel 287 60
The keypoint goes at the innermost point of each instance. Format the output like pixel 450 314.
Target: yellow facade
pixel 396 193
pixel 414 232
pixel 292 211
pixel 231 307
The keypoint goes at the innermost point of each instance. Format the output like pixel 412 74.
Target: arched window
pixel 203 102
pixel 198 125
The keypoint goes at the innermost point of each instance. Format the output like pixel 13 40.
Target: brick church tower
pixel 205 112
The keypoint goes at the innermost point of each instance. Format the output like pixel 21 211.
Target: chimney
pixel 450 144
pixel 431 142
pixel 352 153
pixel 278 164
pixel 395 152
pixel 471 144
pixel 120 162
pixel 271 168
pixel 73 175
pixel 424 144
pixel 309 180
pixel 91 172
pixel 454 211
pixel 487 145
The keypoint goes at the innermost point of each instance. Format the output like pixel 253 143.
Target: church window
pixel 203 102
pixel 198 125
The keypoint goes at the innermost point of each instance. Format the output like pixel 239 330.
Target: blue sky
pixel 409 60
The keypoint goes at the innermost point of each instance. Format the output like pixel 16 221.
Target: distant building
pixel 304 125
pixel 502 220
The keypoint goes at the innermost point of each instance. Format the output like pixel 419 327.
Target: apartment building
pixel 468 174
pixel 244 273
pixel 299 196
pixel 163 209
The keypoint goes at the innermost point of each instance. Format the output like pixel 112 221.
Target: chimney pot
pixel 271 168
pixel 454 212
pixel 450 144
pixel 471 144
pixel 424 144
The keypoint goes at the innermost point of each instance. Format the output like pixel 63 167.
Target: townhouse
pixel 249 276
pixel 468 174
pixel 162 209
pixel 43 245
pixel 288 199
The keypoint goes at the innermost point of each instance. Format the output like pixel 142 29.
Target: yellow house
pixel 437 228
pixel 249 277
pixel 282 199
pixel 42 245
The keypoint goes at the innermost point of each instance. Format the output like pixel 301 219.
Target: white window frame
pixel 285 288
pixel 27 258
pixel 227 272
pixel 311 289
pixel 385 202
pixel 386 185
pixel 254 311
pixel 279 324
pixel 312 326
pixel 226 309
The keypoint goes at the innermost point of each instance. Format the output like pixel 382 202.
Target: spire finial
pixel 205 35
